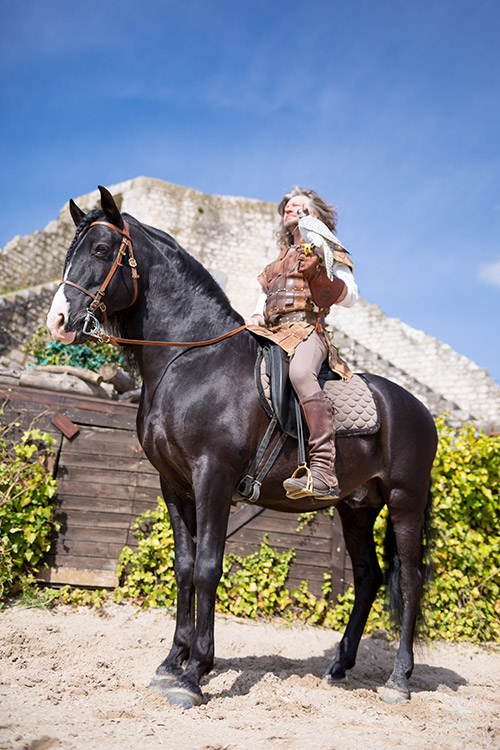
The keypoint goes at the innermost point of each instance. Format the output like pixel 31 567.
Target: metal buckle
pixel 92 327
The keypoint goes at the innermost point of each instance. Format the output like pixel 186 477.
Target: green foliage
pixel 90 356
pixel 146 575
pixel 256 584
pixel 26 493
pixel 465 596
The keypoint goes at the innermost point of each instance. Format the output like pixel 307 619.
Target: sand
pixel 77 680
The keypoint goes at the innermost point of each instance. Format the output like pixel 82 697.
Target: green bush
pixel 90 356
pixel 464 600
pixel 26 492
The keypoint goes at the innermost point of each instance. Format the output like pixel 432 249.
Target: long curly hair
pixel 326 212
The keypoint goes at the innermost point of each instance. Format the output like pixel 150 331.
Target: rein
pixel 92 326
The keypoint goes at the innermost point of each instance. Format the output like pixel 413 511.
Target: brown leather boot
pixel 318 412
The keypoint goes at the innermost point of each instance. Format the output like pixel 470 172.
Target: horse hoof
pixel 334 678
pixel 162 682
pixel 180 696
pixel 393 693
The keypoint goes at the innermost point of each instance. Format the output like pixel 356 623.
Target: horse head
pixel 100 276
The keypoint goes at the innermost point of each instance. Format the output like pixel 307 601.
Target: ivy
pixel 464 600
pixel 26 508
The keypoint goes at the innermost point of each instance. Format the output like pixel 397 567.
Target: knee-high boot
pixel 318 412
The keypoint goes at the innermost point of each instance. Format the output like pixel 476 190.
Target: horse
pixel 200 421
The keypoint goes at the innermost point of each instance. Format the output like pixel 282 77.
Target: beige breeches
pixel 305 365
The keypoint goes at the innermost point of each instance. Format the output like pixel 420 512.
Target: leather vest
pixel 286 289
pixel 288 293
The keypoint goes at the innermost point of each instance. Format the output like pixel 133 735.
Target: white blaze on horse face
pixel 57 317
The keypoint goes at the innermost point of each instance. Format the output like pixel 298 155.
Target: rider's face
pixel 290 217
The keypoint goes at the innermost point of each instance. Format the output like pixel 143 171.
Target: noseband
pixel 126 243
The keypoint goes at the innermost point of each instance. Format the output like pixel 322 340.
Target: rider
pixel 297 292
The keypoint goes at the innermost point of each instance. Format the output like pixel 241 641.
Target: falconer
pixel 312 272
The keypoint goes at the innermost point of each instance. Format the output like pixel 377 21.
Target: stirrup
pixel 296 490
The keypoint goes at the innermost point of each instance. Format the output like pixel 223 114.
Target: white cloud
pixel 489 273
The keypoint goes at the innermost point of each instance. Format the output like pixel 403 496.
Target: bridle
pixel 92 326
pixel 126 243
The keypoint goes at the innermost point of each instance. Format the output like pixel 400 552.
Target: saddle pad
pixel 356 412
pixel 354 406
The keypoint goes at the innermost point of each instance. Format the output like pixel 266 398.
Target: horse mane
pixel 82 226
pixel 199 278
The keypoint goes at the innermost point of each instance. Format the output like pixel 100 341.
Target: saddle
pixel 355 410
pixel 275 389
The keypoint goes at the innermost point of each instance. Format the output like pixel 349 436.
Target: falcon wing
pixel 313 230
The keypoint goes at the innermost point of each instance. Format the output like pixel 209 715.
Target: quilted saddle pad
pixel 356 412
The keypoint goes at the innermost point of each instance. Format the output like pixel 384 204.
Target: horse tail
pixel 393 567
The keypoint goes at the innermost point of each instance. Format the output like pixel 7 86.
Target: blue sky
pixel 389 109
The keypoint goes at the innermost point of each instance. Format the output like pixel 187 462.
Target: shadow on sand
pixel 373 667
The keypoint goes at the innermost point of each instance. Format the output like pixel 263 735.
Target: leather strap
pixel 116 340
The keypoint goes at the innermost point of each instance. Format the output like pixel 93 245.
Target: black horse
pixel 200 421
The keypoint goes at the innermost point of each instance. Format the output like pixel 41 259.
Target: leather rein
pixel 92 326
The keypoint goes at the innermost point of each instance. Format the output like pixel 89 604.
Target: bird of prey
pixel 313 230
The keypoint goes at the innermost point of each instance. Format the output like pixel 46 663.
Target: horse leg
pixel 213 503
pixel 182 517
pixel 407 532
pixel 357 525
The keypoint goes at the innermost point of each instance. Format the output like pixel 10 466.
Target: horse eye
pixel 101 249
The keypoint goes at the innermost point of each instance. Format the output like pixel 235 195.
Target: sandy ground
pixel 78 680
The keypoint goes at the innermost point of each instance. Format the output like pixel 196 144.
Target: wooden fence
pixel 104 481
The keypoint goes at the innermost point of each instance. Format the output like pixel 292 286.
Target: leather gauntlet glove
pixel 324 293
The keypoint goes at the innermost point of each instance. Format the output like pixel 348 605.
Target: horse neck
pixel 179 300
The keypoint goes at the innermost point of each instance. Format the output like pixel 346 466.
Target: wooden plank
pixel 110 520
pixel 78 577
pixel 72 547
pixel 109 419
pixel 284 541
pixel 321 518
pixel 55 399
pixel 288 524
pixel 101 478
pixel 101 462
pixel 146 494
pixel 83 532
pixel 65 425
pixel 71 503
pixel 120 491
pixel 241 517
pixel 94 440
pixel 81 562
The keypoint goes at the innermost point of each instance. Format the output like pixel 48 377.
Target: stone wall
pixel 21 313
pixel 234 238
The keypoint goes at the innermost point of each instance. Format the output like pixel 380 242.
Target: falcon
pixel 324 240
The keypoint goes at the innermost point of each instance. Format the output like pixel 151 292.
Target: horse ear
pixel 110 208
pixel 76 213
